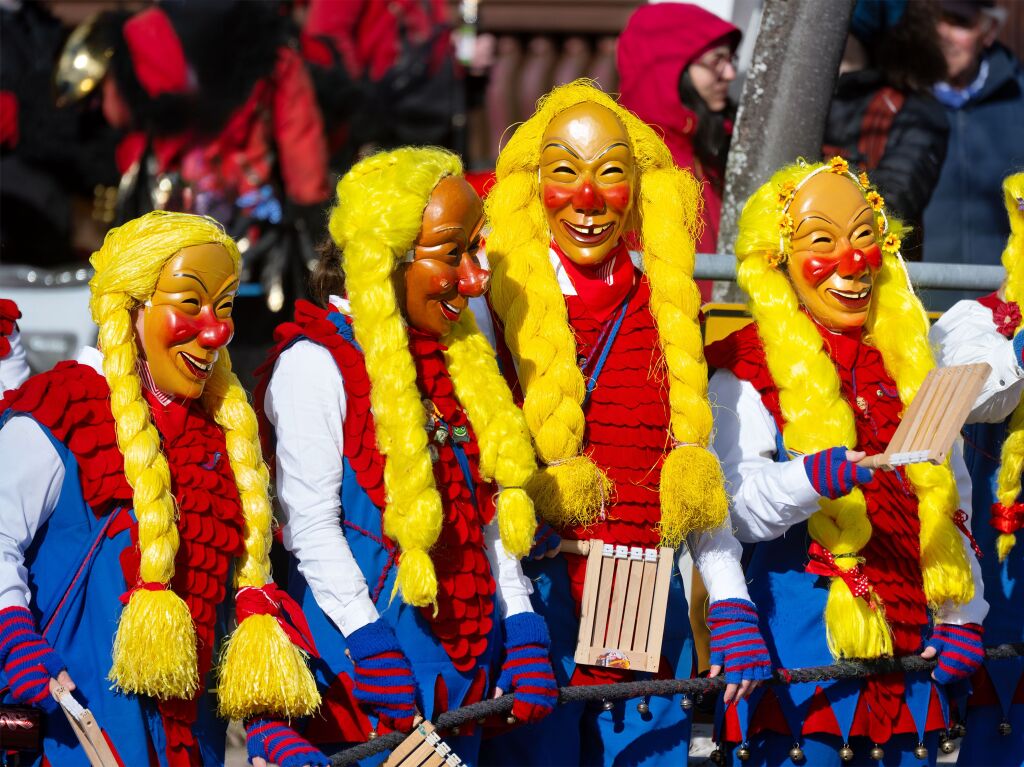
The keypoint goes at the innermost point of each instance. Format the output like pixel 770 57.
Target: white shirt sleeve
pixel 966 334
pixel 513 587
pixel 306 403
pixel 33 476
pixel 975 610
pixel 768 497
pixel 716 555
pixel 14 367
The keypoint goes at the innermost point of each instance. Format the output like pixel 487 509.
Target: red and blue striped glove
pixel 27 660
pixel 383 684
pixel 831 475
pixel 736 642
pixel 545 540
pixel 959 651
pixel 277 743
pixel 527 669
pixel 1018 346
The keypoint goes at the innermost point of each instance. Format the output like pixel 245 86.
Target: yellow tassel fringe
pixel 517 521
pixel 416 579
pixel 692 493
pixel 1004 545
pixel 853 629
pixel 155 647
pixel 570 493
pixel 261 671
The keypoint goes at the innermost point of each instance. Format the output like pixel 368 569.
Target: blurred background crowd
pixel 247 110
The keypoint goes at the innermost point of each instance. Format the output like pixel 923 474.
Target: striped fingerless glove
pixel 736 642
pixel 545 539
pixel 27 660
pixel 959 649
pixel 279 744
pixel 1018 346
pixel 831 475
pixel 383 683
pixel 527 669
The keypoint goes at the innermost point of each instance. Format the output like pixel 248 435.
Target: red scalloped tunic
pixel 73 402
pixel 892 555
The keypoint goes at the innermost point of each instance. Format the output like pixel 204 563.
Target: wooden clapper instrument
pixel 625 597
pixel 83 724
pixel 935 417
pixel 423 747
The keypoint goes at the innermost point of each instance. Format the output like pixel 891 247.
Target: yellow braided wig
pixel 155 645
pixel 376 220
pixel 818 417
pixel 1011 459
pixel 571 489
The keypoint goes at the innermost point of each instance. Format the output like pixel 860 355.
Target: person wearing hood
pixel 676 62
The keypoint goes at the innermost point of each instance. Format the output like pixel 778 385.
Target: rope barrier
pixel 844 669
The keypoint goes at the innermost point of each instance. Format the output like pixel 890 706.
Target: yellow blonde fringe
pixel 1011 458
pixel 818 417
pixel 571 489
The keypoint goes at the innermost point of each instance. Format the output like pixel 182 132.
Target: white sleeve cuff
pixel 716 555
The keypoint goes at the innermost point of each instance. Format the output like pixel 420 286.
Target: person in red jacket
pixel 676 62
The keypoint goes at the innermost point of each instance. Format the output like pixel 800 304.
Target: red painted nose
pixel 852 262
pixel 215 332
pixel 473 278
pixel 586 199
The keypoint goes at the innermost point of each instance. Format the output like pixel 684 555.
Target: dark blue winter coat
pixel 965 222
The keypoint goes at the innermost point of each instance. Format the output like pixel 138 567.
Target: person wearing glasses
pixel 676 63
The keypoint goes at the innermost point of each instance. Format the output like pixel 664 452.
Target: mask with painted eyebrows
pixel 587 177
pixel 836 255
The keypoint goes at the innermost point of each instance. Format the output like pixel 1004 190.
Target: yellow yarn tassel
pixel 155 647
pixel 852 628
pixel 516 521
pixel 416 580
pixel 570 493
pixel 1004 544
pixel 262 671
pixel 693 496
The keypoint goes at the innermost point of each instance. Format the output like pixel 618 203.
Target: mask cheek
pixel 179 328
pixel 556 196
pixel 618 197
pixel 873 256
pixel 818 269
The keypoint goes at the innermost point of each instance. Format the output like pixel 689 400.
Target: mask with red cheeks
pixel 586 177
pixel 187 321
pixel 435 287
pixel 835 256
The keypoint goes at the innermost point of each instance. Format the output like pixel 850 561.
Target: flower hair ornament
pixel 889 241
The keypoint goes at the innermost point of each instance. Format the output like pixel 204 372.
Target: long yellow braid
pixel 155 645
pixel 375 222
pixel 1011 459
pixel 571 489
pixel 818 417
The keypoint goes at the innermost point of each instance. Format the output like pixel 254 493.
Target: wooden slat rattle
pixel 84 725
pixel 423 747
pixel 934 418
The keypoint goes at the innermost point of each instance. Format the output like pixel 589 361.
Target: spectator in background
pixel 676 61
pixel 883 118
pixel 983 94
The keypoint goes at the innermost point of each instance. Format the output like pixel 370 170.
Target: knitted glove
pixel 384 684
pixel 28 661
pixel 279 744
pixel 1018 346
pixel 527 669
pixel 544 541
pixel 736 642
pixel 831 475
pixel 959 651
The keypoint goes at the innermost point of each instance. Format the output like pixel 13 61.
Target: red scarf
pixel 603 287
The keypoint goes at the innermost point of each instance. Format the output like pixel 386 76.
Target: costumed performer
pixel 13 364
pixel 391 426
pixel 990 330
pixel 133 483
pixel 848 563
pixel 608 351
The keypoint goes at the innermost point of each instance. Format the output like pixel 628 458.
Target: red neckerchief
pixel 601 288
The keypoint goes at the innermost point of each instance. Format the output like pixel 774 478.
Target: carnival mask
pixel 435 287
pixel 186 322
pixel 586 180
pixel 835 252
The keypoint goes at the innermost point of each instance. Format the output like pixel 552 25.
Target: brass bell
pixel 455 730
pixel 877 753
pixel 921 751
pixel 717 757
pixel 686 703
pixel 643 708
pixel 510 719
pixel 372 735
pixel 796 753
pixel 958 730
pixel 1005 728
pixel 743 752
pixel 608 705
pixel 846 753
pixel 947 745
